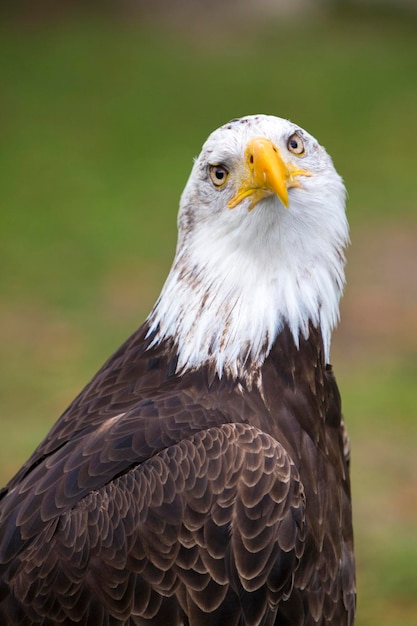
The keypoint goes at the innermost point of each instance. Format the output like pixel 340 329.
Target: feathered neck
pixel 236 282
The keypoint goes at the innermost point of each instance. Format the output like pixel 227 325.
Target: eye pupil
pixel 218 175
pixel 296 145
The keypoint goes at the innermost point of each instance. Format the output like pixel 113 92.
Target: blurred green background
pixel 102 112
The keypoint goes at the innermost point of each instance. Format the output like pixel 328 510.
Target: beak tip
pixel 282 194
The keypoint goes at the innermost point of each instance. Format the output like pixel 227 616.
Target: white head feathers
pixel 240 274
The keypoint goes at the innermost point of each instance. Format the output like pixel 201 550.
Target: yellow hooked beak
pixel 266 173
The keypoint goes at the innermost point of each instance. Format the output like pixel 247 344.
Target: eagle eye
pixel 218 175
pixel 295 144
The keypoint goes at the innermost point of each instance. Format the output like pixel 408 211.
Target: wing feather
pixel 147 535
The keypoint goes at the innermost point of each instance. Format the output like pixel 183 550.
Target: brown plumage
pixel 186 497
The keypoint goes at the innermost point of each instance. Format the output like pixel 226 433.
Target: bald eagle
pixel 202 476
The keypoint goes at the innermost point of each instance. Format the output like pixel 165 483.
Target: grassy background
pixel 100 119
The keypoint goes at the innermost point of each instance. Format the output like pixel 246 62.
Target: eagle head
pixel 262 231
